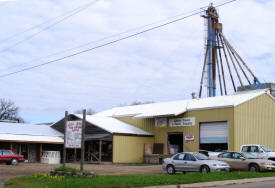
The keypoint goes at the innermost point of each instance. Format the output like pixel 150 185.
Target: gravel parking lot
pixel 9 171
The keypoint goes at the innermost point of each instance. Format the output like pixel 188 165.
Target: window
pixel 200 156
pixel 225 155
pixel 266 149
pixel 245 149
pixel 254 149
pixel 179 156
pixel 189 157
pixel 236 156
pixel 6 153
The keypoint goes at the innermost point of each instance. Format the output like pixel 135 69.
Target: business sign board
pixel 73 134
pixel 189 137
pixel 182 122
pixel 160 122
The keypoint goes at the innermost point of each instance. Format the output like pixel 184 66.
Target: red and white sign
pixel 189 137
pixel 73 134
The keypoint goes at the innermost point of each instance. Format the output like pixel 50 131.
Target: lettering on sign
pixel 73 134
pixel 179 122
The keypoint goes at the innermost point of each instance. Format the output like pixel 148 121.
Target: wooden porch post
pixel 11 146
pixel 100 150
pixel 40 152
pixel 75 153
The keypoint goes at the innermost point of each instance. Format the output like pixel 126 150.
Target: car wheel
pixel 171 169
pixel 254 168
pixel 14 161
pixel 205 169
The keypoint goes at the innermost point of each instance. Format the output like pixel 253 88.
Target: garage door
pixel 214 132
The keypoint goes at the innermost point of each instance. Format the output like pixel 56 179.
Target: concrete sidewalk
pixel 216 183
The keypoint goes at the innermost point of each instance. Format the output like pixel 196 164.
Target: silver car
pixel 193 162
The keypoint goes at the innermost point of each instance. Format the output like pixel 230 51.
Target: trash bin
pixel 51 157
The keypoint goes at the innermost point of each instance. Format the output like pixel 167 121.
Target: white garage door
pixel 213 132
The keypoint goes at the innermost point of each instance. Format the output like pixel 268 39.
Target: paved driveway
pixel 9 171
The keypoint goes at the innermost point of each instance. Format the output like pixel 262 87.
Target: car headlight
pixel 265 164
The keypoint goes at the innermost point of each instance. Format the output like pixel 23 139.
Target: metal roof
pixel 113 125
pixel 29 132
pixel 175 108
pixel 31 138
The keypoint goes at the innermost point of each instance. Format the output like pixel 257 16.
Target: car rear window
pixel 245 148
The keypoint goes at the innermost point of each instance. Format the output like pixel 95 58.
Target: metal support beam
pixel 202 74
pixel 228 66
pixel 232 60
pixel 242 60
pixel 220 55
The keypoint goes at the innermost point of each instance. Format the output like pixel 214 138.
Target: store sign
pixel 160 122
pixel 189 137
pixel 73 134
pixel 179 122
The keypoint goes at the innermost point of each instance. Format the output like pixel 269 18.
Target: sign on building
pixel 189 137
pixel 73 134
pixel 160 122
pixel 179 122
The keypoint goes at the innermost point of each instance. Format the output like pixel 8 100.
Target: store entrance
pixel 175 142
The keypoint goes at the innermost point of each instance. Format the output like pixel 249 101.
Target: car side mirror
pixel 242 158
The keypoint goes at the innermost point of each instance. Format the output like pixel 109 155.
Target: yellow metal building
pixel 217 123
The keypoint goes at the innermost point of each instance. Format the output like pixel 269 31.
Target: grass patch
pixel 123 181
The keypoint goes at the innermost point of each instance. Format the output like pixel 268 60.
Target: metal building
pixel 29 140
pixel 215 124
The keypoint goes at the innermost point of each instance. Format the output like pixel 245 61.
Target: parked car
pixel 260 151
pixel 8 157
pixel 193 162
pixel 245 161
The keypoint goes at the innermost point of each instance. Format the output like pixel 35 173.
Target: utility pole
pixel 83 140
pixel 64 145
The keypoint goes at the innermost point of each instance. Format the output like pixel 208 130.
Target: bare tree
pixel 89 111
pixel 139 103
pixel 136 103
pixel 9 111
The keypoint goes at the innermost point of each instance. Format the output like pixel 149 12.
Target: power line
pixel 49 26
pixel 112 42
pixel 40 24
pixel 108 37
pixel 104 38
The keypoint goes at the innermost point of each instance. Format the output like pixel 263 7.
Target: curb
pixel 216 183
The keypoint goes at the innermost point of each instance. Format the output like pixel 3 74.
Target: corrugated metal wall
pixel 210 115
pixel 129 149
pixel 255 122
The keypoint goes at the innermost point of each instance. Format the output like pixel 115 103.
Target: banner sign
pixel 73 134
pixel 160 122
pixel 179 122
pixel 189 137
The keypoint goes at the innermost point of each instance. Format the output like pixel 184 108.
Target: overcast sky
pixel 161 65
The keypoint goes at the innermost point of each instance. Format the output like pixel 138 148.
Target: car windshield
pixel 200 156
pixel 248 156
pixel 266 149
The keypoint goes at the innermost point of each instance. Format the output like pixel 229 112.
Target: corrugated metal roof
pixel 113 125
pixel 31 138
pixel 175 108
pixel 29 133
